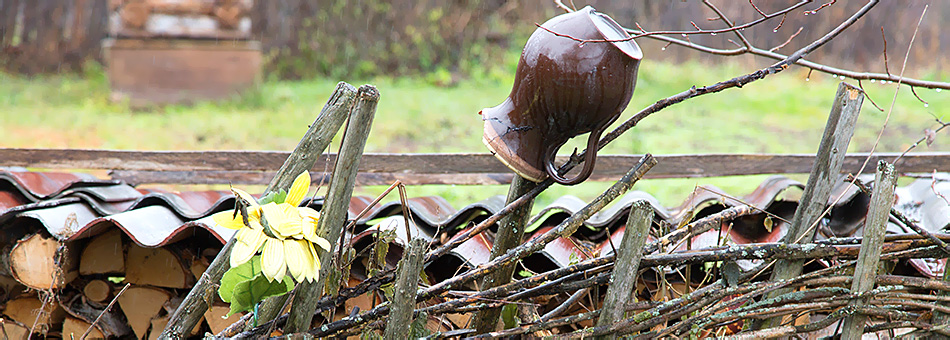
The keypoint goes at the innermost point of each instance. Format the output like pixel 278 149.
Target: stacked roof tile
pixel 73 206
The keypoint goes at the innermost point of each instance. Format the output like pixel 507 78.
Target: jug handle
pixel 589 158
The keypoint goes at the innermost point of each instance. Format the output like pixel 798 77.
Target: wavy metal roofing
pixel 72 206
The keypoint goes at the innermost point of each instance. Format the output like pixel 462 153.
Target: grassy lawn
pixel 781 114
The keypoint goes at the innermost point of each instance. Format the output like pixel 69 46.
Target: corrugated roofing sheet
pixel 73 206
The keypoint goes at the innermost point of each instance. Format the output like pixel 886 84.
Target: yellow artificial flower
pixel 283 233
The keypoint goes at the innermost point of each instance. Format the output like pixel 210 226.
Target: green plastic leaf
pixel 274 196
pixel 248 293
pixel 235 275
pixel 509 315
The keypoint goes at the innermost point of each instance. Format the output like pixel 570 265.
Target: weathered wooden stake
pixel 333 217
pixel 328 122
pixel 941 318
pixel 831 151
pixel 404 297
pixel 624 276
pixel 510 233
pixel 870 254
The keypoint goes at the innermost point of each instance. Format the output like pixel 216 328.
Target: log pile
pixel 105 284
pixel 175 18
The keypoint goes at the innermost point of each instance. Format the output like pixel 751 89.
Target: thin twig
pixel 373 204
pixel 560 309
pixel 686 33
pixel 928 136
pixel 776 48
pixel 884 38
pixel 561 5
pixel 728 22
pixel 868 97
pixel 756 8
pixel 722 194
pixel 815 11
pixel 116 298
pixel 404 202
pixel 912 90
pixel 799 61
pixel 933 187
pixel 780 23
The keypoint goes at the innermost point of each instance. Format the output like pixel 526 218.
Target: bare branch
pixel 728 22
pixel 643 33
pixel 666 36
pixel 780 23
pixel 756 8
pixel 884 38
pixel 926 137
pixel 868 96
pixel 815 11
pixel 776 48
pixel 912 90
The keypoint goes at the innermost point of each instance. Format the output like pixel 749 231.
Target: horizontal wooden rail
pixel 257 167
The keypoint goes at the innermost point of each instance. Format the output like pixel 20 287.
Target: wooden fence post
pixel 510 234
pixel 333 217
pixel 404 296
pixel 941 318
pixel 831 151
pixel 195 304
pixel 875 224
pixel 624 276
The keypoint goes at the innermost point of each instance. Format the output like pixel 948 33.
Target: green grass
pixel 780 114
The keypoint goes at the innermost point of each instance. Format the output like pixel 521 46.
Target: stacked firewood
pixel 66 288
pixel 186 19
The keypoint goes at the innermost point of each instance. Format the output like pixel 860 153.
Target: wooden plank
pixel 838 131
pixel 869 256
pixel 608 166
pixel 310 147
pixel 404 296
pixel 264 177
pixel 624 275
pixel 510 235
pixel 333 215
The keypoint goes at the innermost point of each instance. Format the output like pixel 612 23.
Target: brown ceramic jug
pixel 563 88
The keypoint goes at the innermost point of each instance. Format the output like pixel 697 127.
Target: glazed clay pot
pixel 563 88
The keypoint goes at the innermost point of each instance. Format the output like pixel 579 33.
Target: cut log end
pixel 74 328
pixel 104 255
pixel 30 309
pixel 140 305
pixel 33 263
pixel 156 267
pixel 13 330
pixel 97 291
